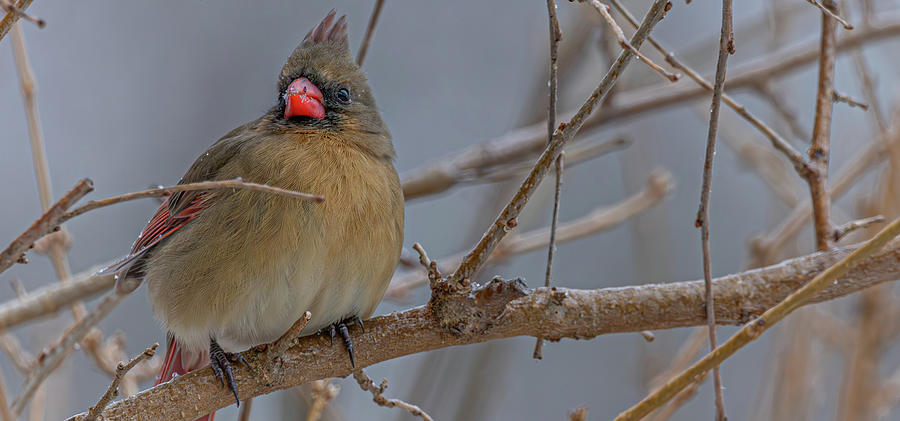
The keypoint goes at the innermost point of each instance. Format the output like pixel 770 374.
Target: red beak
pixel 303 98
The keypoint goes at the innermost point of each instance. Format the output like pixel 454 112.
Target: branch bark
pixel 819 152
pixel 504 309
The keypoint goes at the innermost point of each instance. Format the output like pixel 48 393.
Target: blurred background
pixel 130 93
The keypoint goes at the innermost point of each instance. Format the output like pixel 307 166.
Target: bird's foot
pixel 220 362
pixel 341 327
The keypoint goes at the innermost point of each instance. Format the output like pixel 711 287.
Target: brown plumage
pixel 245 265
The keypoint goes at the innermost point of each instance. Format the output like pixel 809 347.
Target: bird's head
pixel 321 88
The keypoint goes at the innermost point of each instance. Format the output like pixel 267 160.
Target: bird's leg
pixel 341 327
pixel 220 362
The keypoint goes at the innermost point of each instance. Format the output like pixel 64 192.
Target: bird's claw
pixel 341 327
pixel 220 362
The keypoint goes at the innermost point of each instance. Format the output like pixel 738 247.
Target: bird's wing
pixel 181 207
pixel 160 226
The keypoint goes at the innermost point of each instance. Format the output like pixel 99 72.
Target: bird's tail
pixel 176 364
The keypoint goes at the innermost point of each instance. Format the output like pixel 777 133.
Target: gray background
pixel 131 92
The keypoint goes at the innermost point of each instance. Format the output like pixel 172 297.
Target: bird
pixel 227 270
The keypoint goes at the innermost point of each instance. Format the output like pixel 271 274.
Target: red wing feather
pixel 160 226
pixel 163 224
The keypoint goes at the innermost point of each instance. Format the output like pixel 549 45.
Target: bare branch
pixel 12 16
pixel 323 391
pixel 236 183
pixel 767 247
pixel 43 225
pixel 659 185
pixel 438 177
pixel 113 389
pixel 366 383
pixel 623 42
pixel 555 37
pixel 839 97
pixel 820 150
pixel 502 309
pixel 373 20
pixel 291 337
pixel 832 13
pixel 50 359
pixel 754 329
pixel 476 258
pixel 851 226
pixel 726 47
pixel 578 414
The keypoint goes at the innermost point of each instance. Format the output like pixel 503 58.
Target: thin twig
pixel 689 350
pixel 819 152
pixel 55 245
pixel 430 266
pixel 726 47
pixel 555 38
pixel 841 231
pixel 578 414
pixel 437 177
pixel 9 7
pixel 774 97
pixel 43 225
pixel 828 10
pixel 113 390
pixel 236 183
pixel 623 42
pixel 5 414
pixel 21 359
pixel 491 238
pixel 50 360
pixel 323 391
pixel 659 184
pixel 847 99
pixel 12 16
pixel 778 141
pixel 244 414
pixel 868 88
pixel 754 329
pixel 289 338
pixel 503 160
pixel 366 383
pixel 767 247
pixel 373 20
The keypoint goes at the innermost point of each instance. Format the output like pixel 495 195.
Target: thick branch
pixel 52 298
pixel 502 310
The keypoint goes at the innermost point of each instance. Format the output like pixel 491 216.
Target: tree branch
pixel 820 150
pixel 751 331
pixel 441 176
pixel 43 225
pixel 503 309
pixel 12 16
pixel 491 238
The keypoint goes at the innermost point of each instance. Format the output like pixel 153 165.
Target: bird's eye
pixel 343 95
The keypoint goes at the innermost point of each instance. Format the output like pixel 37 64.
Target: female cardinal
pixel 230 269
